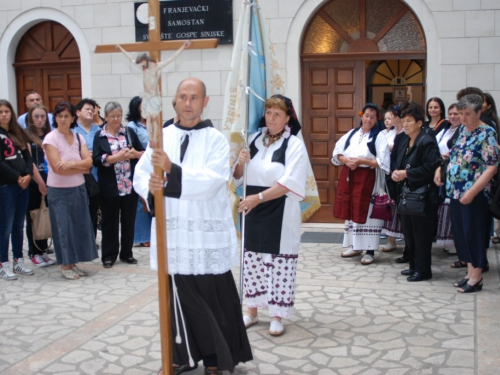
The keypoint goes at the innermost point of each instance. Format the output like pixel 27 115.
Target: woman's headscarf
pixel 293 123
pixel 377 128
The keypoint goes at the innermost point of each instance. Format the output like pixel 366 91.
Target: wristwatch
pixel 261 197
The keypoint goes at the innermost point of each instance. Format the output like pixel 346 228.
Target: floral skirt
pixel 269 281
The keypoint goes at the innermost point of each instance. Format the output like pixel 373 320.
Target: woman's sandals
pixel 389 247
pixel 69 274
pixel 276 328
pixel 351 253
pixel 249 320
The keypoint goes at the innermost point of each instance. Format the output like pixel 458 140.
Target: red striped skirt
pixel 352 199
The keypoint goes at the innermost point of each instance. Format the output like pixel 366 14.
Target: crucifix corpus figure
pixel 151 100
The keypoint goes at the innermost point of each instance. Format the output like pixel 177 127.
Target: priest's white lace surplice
pixel 201 236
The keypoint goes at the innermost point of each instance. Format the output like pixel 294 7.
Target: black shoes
pixel 407 272
pixel 109 263
pixel 402 260
pixel 467 288
pixel 130 260
pixel 461 283
pixel 418 276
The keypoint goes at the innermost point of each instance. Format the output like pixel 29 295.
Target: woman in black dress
pixel 414 160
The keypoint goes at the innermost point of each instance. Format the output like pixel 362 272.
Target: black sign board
pixel 188 19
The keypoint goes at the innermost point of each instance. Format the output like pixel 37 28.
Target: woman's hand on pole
pixel 249 203
pixel 244 157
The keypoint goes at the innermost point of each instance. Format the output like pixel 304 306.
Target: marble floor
pixel 350 319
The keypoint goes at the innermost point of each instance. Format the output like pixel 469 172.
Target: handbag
pixel 40 222
pixel 495 198
pixel 90 182
pixel 444 168
pixel 91 185
pixel 383 205
pixel 412 202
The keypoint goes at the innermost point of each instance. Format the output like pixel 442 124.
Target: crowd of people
pixel 51 158
pixel 92 171
pixel 442 174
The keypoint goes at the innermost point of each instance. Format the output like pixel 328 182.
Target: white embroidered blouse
pixel 358 148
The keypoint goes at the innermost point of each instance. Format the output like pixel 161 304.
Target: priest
pixel 201 237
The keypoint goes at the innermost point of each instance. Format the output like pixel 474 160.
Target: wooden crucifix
pixel 154 46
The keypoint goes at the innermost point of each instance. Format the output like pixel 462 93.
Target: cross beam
pixel 163 45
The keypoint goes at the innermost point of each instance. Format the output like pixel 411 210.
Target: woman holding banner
pixel 276 174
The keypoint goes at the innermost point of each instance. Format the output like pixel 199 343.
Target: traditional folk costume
pixel 444 236
pixel 352 201
pixel 272 229
pixel 201 245
pixel 393 227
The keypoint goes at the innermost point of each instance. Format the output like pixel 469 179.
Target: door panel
pixel 333 95
pixel 48 62
pixel 62 85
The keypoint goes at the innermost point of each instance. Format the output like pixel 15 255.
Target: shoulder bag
pixel 383 205
pixel 90 182
pixel 40 222
pixel 412 202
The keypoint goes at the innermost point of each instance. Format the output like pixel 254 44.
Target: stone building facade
pixel 463 40
pixel 459 46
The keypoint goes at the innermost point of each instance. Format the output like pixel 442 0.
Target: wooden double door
pixel 53 84
pixel 333 95
pixel 48 62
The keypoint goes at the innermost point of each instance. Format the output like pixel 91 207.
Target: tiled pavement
pixel 350 319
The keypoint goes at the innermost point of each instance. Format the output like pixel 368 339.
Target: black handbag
pixel 90 182
pixel 412 202
pixel 495 197
pixel 444 168
pixel 91 185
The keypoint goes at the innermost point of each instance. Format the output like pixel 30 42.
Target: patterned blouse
pixel 472 153
pixel 122 168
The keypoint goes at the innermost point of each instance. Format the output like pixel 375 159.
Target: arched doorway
pixel 343 48
pixel 47 61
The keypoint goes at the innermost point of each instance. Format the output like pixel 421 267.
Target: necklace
pixel 269 139
pixel 408 149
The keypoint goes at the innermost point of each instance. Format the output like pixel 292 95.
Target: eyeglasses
pixel 114 117
pixel 65 117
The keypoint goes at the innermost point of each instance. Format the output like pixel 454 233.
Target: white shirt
pixel 262 171
pixel 358 148
pixel 443 137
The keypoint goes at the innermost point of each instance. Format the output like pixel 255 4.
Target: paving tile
pixel 349 319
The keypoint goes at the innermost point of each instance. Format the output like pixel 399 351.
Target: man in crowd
pixel 174 119
pixel 87 129
pixel 201 237
pixel 33 98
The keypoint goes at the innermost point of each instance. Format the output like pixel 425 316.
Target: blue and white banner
pixel 255 75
